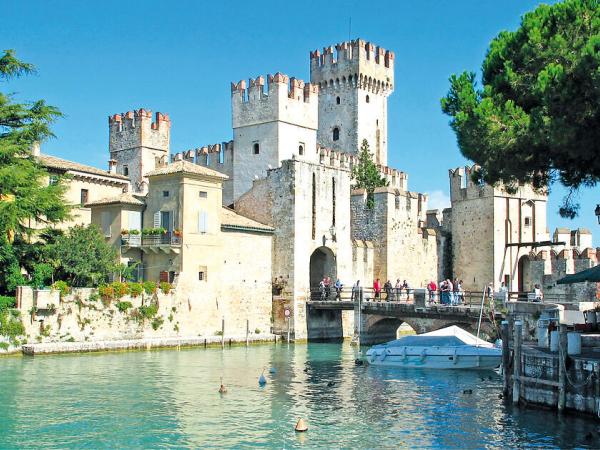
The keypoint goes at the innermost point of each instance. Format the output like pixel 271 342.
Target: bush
pixel 257 331
pixel 106 291
pixel 10 326
pixel 4 345
pixel 120 289
pixel 135 289
pixel 124 306
pixel 148 312
pixel 94 297
pixel 157 323
pixel 6 302
pixel 149 287
pixel 165 287
pixel 62 287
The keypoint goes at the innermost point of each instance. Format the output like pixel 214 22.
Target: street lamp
pixel 597 212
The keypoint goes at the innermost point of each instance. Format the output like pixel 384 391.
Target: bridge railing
pixel 470 299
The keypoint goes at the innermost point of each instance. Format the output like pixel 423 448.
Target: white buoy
pixel 301 426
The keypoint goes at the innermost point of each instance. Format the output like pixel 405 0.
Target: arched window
pixel 336 134
pixel 337 100
pixel 367 99
pixel 301 149
pixel 256 148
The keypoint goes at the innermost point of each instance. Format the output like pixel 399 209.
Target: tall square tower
pixel 354 83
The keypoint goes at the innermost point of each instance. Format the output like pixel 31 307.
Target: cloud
pixel 438 200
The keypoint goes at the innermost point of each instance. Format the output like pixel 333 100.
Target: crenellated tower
pixel 138 145
pixel 354 82
pixel 270 126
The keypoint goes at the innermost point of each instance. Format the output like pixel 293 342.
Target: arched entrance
pixel 524 280
pixel 322 264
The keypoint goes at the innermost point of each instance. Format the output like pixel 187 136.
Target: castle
pixel 276 201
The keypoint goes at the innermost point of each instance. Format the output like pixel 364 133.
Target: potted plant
pixel 124 232
pixel 177 233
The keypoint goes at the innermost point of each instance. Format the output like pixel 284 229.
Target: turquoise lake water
pixel 169 398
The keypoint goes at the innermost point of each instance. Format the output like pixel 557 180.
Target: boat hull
pixel 464 357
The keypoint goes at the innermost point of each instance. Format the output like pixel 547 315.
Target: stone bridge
pixel 376 322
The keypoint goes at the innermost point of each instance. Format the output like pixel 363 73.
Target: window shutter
pixel 157 219
pixel 135 220
pixel 106 222
pixel 202 222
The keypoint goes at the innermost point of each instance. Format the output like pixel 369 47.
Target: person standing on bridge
pixel 388 290
pixel 431 288
pixel 377 289
pixel 398 289
pixel 356 291
pixel 338 289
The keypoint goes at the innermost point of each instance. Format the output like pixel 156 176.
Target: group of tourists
pixel 393 292
pixel 325 288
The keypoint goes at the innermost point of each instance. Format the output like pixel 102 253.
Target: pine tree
pixel 25 195
pixel 366 175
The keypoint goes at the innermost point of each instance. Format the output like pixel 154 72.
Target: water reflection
pixel 170 399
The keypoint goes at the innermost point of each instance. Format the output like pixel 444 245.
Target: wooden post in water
pixel 517 338
pixel 223 333
pixel 562 372
pixel 505 358
pixel 247 332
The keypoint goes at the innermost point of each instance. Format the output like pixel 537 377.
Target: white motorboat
pixel 448 348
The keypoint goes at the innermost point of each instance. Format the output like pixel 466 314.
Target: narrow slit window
pixel 336 134
pixel 256 148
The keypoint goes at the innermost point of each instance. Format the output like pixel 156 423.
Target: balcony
pixel 165 242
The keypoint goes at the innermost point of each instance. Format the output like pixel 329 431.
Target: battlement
pixel 135 129
pixel 355 63
pixel 286 99
pixel 333 158
pixel 214 156
pixel 278 84
pixel 138 118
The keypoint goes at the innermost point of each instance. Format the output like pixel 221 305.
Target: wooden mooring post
pixel 562 368
pixel 247 332
pixel 517 339
pixel 223 333
pixel 505 358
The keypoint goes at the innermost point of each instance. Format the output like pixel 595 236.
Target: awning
pixel 592 274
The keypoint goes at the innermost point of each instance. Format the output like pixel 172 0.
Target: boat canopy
pixel 452 336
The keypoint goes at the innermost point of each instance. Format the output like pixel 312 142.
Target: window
pixel 301 149
pixel 337 100
pixel 200 276
pixel 84 197
pixel 367 99
pixel 336 134
pixel 165 220
pixel 126 171
pixel 134 220
pixel 106 222
pixel 314 206
pixel 203 194
pixel 333 202
pixel 53 180
pixel 527 221
pixel 165 193
pixel 202 273
pixel 202 222
pixel 256 148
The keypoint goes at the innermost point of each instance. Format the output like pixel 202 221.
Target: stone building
pixel 499 237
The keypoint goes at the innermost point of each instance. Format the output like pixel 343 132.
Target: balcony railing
pixel 137 240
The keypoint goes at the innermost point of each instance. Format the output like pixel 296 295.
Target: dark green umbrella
pixel 592 274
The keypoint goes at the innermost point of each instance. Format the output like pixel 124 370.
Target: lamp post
pixel 597 212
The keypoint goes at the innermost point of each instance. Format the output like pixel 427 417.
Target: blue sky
pixel 99 58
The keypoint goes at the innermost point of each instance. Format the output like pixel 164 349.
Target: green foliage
pixel 62 287
pixel 257 331
pixel 86 259
pixel 157 323
pixel 148 312
pixel 6 303
pixel 366 174
pixel 3 345
pixel 135 289
pixel 127 272
pixel 94 297
pixel 106 291
pixel 25 196
pixel 120 289
pixel 535 120
pixel 149 287
pixel 11 325
pixel 42 275
pixel 124 306
pixel 165 287
pixel 153 231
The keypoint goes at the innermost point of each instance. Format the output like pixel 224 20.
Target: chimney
pixel 112 166
pixel 35 148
